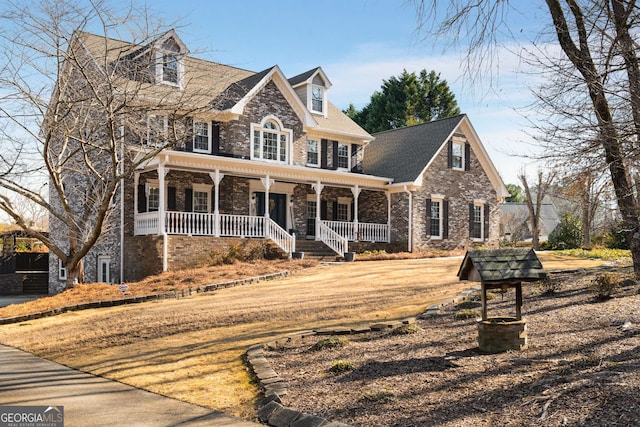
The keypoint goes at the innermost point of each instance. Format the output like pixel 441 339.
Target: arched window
pixel 270 141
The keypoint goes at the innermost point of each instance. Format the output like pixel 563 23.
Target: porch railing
pixel 366 232
pixel 204 224
pixel 333 240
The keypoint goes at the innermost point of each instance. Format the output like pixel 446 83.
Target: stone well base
pixel 500 334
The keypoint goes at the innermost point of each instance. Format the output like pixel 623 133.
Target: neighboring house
pixel 275 159
pixel 515 224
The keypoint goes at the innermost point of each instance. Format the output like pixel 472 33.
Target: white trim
pixel 62 270
pixel 318 153
pixel 209 130
pixel 103 259
pixel 348 168
pixel 310 97
pixel 479 204
pixel 162 136
pixel 439 199
pixel 458 142
pixel 282 131
pixel 201 188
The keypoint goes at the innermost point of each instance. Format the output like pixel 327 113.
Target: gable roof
pixel 403 153
pixel 222 87
pixel 501 265
pixel 307 77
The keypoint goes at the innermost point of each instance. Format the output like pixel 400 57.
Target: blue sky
pixel 358 43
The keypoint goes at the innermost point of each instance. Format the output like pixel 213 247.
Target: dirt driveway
pixel 191 349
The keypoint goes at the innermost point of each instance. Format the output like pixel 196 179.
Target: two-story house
pixel 272 158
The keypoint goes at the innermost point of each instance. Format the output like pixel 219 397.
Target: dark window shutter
pixel 445 219
pixel 486 221
pixel 353 210
pixel 324 145
pixel 188 200
pixel 450 154
pixel 334 214
pixel 355 166
pixel 471 220
pixel 335 155
pixel 142 199
pixel 188 144
pixel 323 210
pixel 428 218
pixel 467 157
pixel 215 138
pixel 171 199
pixel 260 203
pixel 213 197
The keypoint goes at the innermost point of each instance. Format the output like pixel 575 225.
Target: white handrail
pixel 333 240
pixel 279 236
pixel 146 223
pixel 366 232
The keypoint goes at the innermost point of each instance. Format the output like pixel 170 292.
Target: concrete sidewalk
pixel 93 401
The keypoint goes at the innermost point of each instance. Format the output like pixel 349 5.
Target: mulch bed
pixel 582 366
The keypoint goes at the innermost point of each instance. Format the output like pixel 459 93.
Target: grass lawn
pixel 191 348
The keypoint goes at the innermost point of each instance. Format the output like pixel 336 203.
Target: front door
pixel 277 207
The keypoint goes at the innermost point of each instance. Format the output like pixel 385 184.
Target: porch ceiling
pixel 195 162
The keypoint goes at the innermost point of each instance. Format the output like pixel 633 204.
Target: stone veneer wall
pixel 11 284
pixel 460 188
pixel 400 219
pixel 195 251
pixel 143 257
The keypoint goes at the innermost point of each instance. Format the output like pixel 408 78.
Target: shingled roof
pixel 402 154
pixel 501 265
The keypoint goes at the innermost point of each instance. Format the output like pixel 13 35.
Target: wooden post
pixel 519 301
pixel 484 300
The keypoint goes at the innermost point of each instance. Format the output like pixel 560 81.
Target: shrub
pixel 406 330
pixel 568 234
pixel 465 305
pixel 604 285
pixel 467 314
pixel 616 237
pixel 330 343
pixel 341 366
pixel 379 396
pixel 549 286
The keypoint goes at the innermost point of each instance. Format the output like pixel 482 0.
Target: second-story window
pixel 201 137
pixel 156 130
pixel 457 156
pixel 343 156
pixel 270 141
pixel 170 68
pixel 313 158
pixel 317 99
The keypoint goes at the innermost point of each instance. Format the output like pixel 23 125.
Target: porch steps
pixel 316 250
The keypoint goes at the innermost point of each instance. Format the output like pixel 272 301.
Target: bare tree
pixel 596 80
pixel 535 205
pixel 77 112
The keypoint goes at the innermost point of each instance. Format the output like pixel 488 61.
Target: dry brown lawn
pixel 191 348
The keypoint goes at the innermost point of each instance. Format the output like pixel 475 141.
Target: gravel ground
pixel 581 367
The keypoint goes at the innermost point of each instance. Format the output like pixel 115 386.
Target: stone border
pixel 270 409
pixel 143 298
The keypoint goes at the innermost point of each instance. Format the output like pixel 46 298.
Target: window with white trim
pixel 201 137
pixel 343 156
pixel 156 130
pixel 169 66
pixel 104 267
pixel 343 209
pixel 201 198
pixel 270 141
pixel 313 157
pixel 435 223
pixel 62 271
pixel 477 229
pixel 457 156
pixel 317 99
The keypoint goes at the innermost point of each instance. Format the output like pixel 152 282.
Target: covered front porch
pixel 229 197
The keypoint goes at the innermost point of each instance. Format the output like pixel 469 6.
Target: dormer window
pixel 317 99
pixel 169 62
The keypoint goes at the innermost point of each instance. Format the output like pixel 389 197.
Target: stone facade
pixel 460 188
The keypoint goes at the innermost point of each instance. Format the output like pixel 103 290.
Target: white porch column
pixel 216 177
pixel 267 183
pixel 388 217
pixel 162 172
pixel 356 194
pixel 136 181
pixel 318 187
